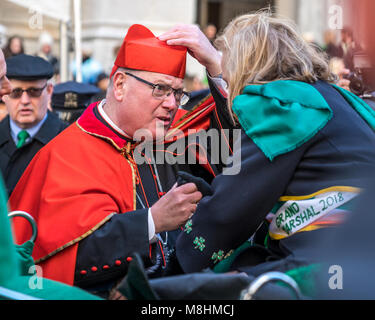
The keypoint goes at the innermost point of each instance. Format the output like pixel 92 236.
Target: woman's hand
pixel 198 45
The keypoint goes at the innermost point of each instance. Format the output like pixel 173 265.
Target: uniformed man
pixel 71 98
pixel 29 125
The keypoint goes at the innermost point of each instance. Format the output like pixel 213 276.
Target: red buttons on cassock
pixel 128 259
pixel 83 272
pixel 94 269
pixel 106 267
pixel 117 262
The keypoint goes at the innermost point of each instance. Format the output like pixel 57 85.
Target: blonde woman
pixel 305 146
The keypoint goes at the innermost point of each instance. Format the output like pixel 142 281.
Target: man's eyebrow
pixel 161 82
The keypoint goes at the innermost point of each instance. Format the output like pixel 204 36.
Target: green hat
pixel 14 282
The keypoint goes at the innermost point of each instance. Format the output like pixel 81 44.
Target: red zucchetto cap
pixel 141 50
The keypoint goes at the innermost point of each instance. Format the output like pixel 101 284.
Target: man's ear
pixel 49 88
pixel 119 85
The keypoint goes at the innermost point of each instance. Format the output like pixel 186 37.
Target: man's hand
pixel 175 207
pixel 343 82
pixel 116 295
pixel 198 45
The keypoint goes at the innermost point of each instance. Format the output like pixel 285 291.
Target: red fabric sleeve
pixel 71 187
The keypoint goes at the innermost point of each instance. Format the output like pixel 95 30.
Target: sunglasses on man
pixel 32 92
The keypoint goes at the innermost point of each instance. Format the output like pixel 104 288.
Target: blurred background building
pixel 101 25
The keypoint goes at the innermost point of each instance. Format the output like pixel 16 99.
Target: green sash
pixel 282 115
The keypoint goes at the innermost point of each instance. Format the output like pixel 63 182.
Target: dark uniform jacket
pixel 13 161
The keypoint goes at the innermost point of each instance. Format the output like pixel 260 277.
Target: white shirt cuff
pixel 151 227
pixel 221 84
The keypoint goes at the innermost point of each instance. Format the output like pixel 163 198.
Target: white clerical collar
pixel 108 120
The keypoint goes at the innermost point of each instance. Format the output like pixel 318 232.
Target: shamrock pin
pixel 199 243
pixel 188 227
pixel 217 256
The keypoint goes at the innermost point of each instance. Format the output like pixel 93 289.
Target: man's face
pixel 27 111
pixel 3 110
pixel 141 110
pixel 5 86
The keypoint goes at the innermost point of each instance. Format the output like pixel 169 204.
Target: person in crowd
pixel 349 47
pixel 45 51
pixel 102 83
pixel 14 46
pixel 210 31
pixel 115 50
pixel 305 147
pixel 90 67
pixel 331 45
pixel 71 98
pixel 29 125
pixel 337 66
pixel 93 202
pixel 194 85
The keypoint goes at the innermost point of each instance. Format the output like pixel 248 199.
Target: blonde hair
pixel 258 48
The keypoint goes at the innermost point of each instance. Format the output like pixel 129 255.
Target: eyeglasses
pixel 160 91
pixel 32 92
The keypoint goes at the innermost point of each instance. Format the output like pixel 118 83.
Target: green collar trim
pixel 364 110
pixel 281 115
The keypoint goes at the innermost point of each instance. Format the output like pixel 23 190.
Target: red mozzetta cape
pixel 75 184
pixel 71 188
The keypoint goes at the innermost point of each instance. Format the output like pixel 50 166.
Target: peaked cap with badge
pixel 71 98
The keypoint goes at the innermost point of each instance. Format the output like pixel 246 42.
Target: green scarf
pixel 364 110
pixel 282 115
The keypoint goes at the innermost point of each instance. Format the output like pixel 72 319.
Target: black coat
pixel 341 154
pixel 13 161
